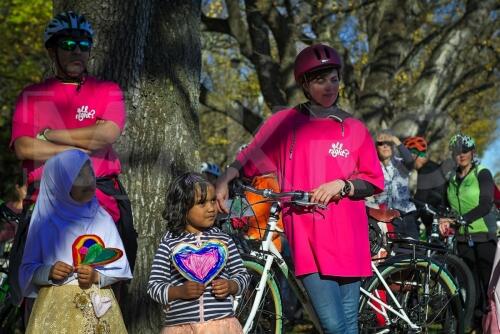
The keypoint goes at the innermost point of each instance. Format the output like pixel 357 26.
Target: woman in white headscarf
pixel 70 295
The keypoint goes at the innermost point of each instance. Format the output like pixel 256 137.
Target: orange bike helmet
pixel 417 143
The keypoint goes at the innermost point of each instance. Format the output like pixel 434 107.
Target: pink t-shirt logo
pixel 83 113
pixel 338 150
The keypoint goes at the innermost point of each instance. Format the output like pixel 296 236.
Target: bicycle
pixel 10 315
pixel 446 256
pixel 455 265
pixel 419 291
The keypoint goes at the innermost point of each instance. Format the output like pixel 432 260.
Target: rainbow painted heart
pixel 200 264
pixel 89 249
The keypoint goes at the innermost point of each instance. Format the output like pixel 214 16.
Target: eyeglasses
pixel 70 44
pixel 382 143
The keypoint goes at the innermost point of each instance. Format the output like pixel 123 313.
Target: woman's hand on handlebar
pixel 445 225
pixel 327 192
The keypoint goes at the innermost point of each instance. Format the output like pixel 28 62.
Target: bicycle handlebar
pixel 297 197
pixel 444 213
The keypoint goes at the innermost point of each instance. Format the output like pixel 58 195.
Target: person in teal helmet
pixel 470 193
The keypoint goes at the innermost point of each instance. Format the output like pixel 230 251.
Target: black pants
pixel 479 258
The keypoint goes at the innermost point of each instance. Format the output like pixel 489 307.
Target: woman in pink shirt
pixel 317 147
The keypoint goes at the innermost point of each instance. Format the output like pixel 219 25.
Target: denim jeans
pixel 335 301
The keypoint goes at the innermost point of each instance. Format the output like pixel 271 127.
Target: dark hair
pixel 181 196
pixel 316 74
pixel 9 192
pixel 319 73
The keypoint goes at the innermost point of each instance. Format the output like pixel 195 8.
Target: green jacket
pixel 464 197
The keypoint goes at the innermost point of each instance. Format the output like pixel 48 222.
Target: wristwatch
pixel 43 135
pixel 346 189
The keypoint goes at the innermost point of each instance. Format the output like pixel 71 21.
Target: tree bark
pixel 152 49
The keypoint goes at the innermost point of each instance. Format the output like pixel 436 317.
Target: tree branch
pixel 459 81
pixel 462 97
pixel 239 28
pixel 216 25
pixel 418 47
pixel 241 115
pixel 267 70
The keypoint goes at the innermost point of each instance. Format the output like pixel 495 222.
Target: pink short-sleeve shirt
pixel 306 152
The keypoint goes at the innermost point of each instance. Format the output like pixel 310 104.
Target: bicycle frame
pixel 269 254
pixel 402 314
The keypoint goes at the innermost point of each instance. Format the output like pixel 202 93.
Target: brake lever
pixel 307 203
pixel 237 188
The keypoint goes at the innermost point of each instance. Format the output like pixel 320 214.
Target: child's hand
pixel 191 290
pixel 86 276
pixel 224 287
pixel 60 271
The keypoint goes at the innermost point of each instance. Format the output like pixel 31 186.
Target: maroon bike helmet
pixel 315 57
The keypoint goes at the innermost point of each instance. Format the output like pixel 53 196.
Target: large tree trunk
pixel 152 49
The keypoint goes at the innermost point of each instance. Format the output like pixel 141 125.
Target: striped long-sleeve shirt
pixel 207 307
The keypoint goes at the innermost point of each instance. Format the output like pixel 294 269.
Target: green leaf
pixel 93 253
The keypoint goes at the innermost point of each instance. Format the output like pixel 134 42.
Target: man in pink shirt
pixel 319 148
pixel 73 110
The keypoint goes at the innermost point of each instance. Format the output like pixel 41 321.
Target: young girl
pixel 317 147
pixel 72 297
pixel 190 306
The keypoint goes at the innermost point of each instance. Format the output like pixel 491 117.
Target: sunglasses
pixel 382 143
pixel 70 44
pixel 461 151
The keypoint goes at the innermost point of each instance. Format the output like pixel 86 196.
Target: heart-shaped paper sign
pixel 89 249
pixel 200 264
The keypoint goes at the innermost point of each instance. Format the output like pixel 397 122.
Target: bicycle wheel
pixel 268 319
pixel 11 320
pixel 465 282
pixel 425 291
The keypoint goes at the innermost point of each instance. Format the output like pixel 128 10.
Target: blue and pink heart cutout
pixel 200 264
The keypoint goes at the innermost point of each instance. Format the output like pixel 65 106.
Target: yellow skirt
pixel 68 309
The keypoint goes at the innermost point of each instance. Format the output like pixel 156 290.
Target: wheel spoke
pixel 422 291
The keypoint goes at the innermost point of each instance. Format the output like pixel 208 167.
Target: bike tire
pixel 11 321
pixel 439 311
pixel 269 316
pixel 465 281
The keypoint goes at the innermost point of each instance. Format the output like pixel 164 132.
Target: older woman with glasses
pixel 396 194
